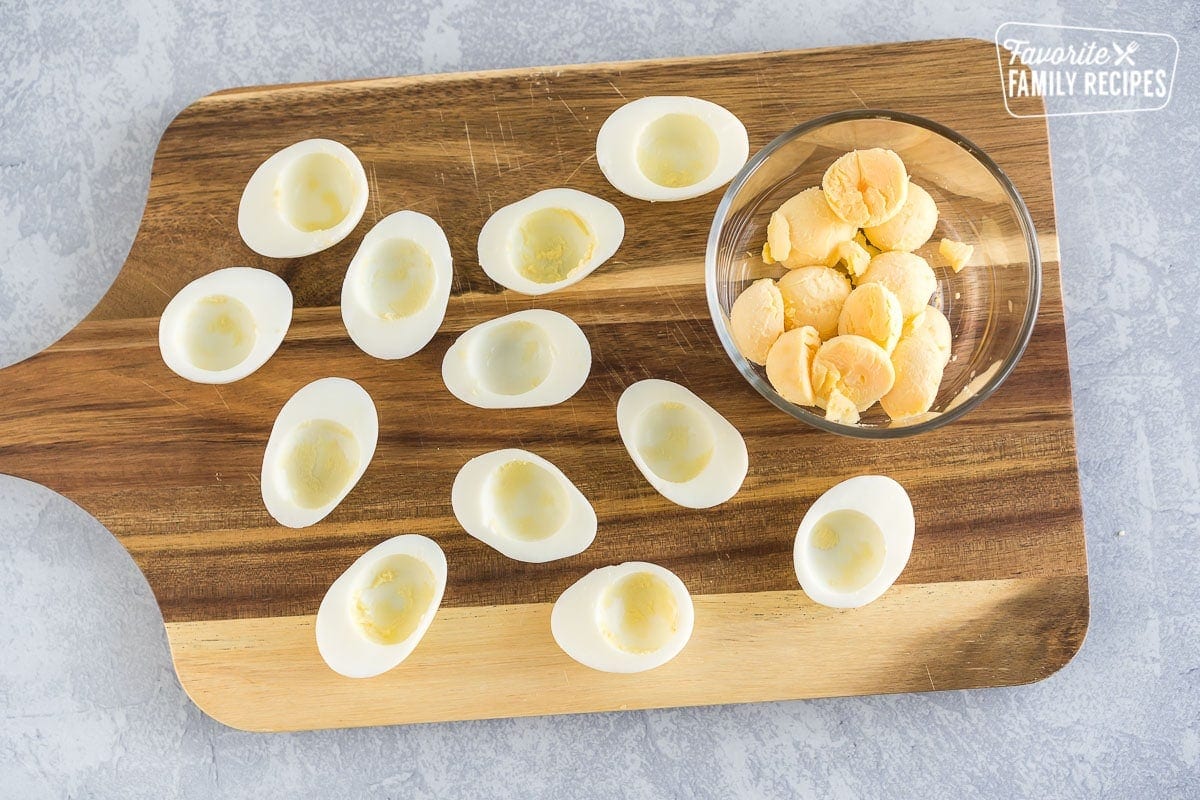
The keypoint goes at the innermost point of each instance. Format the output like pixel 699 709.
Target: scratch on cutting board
pixel 374 191
pixel 573 114
pixel 471 153
pixel 929 675
pixel 218 388
pixel 495 155
pixel 856 97
pixel 156 286
pixel 618 91
pixel 576 170
pixel 164 394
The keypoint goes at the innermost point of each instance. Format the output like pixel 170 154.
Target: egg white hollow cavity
pixel 549 240
pixel 687 451
pixel 322 441
pixel 525 359
pixel 854 541
pixel 523 506
pixel 223 326
pixel 625 618
pixel 374 615
pixel 397 286
pixel 303 199
pixel 671 148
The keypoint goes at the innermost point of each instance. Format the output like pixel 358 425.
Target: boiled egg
pixel 374 615
pixel 551 239
pixel 395 292
pixel 690 453
pixel 671 148
pixel 303 199
pixel 224 325
pixel 626 618
pixel 523 506
pixel 320 445
pixel 854 541
pixel 521 360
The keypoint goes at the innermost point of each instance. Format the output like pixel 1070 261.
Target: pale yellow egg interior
pixel 321 458
pixel 515 358
pixel 316 192
pixel 528 501
pixel 219 333
pixel 846 549
pixel 639 613
pixel 553 243
pixel 677 150
pixel 675 441
pixel 390 602
pixel 400 279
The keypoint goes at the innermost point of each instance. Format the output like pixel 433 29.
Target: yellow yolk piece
pixel 219 333
pixel 554 242
pixel 854 367
pixel 839 408
pixel 866 187
pixel 854 257
pixel 789 364
pixel 390 603
pixel 320 461
pixel 873 311
pixel 639 613
pixel 805 231
pixel 756 319
pixel 918 364
pixel 930 324
pixel 813 296
pixel 861 239
pixel 908 276
pixel 956 254
pixel 912 225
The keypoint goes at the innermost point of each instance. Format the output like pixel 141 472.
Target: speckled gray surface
pixel 89 705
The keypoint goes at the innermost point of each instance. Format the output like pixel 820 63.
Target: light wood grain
pixel 171 468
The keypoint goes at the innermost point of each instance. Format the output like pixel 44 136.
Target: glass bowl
pixel 991 304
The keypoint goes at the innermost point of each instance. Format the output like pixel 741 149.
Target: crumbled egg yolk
pixel 639 613
pixel 219 333
pixel 805 231
pixel 553 243
pixel 517 356
pixel 675 441
pixel 789 364
pixel 855 367
pixel 388 606
pixel 872 311
pixel 528 503
pixel 846 548
pixel 854 257
pixel 956 254
pixel 321 459
pixel 678 150
pixel 316 192
pixel 401 279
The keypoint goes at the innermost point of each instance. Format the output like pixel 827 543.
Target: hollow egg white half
pixel 671 148
pixel 523 506
pixel 374 615
pixel 525 359
pixel 551 239
pixel 690 453
pixel 854 541
pixel 224 325
pixel 626 618
pixel 396 289
pixel 303 199
pixel 321 443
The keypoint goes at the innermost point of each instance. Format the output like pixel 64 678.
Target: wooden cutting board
pixel 996 591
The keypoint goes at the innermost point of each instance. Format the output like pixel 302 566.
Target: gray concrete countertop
pixel 89 704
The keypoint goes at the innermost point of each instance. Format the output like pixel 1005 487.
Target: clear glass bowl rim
pixel 747 369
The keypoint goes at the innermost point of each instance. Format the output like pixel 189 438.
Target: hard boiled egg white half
pixel 523 506
pixel 691 454
pixel 551 239
pixel 521 360
pixel 303 199
pixel 627 618
pixel 320 445
pixel 376 612
pixel 224 325
pixel 397 286
pixel 671 148
pixel 854 541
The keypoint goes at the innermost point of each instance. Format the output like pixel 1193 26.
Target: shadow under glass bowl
pixel 991 304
